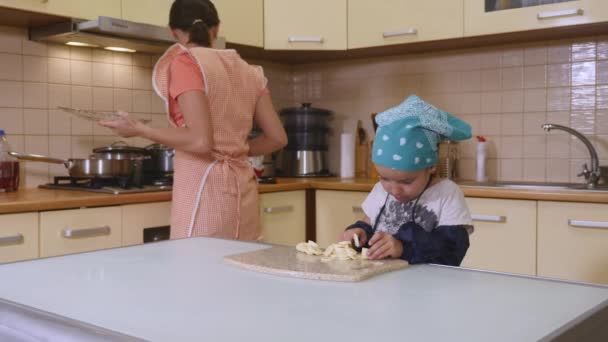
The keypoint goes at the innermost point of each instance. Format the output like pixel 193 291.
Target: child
pixel 410 214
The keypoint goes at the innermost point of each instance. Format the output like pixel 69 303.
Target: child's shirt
pixel 442 204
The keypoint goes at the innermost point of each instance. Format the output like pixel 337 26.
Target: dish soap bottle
pixel 481 160
pixel 9 167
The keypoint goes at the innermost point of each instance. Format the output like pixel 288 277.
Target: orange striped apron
pixel 217 196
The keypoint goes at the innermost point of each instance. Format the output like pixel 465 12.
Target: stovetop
pixel 110 185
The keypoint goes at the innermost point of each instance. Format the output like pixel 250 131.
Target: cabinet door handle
pixel 489 218
pixel 357 209
pixel 587 224
pixel 560 13
pixel 405 32
pixel 305 40
pixel 11 239
pixel 277 210
pixel 85 232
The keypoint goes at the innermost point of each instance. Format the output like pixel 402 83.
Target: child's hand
pixel 383 245
pixel 348 235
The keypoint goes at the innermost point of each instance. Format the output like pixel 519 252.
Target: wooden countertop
pixel 28 200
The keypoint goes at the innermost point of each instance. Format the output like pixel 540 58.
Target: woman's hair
pixel 194 17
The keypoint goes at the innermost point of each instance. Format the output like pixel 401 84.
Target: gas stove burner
pixel 94 183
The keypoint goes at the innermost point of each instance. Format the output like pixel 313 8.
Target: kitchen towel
pixel 347 155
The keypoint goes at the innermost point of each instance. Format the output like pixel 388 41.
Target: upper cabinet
pixel 387 22
pixel 155 12
pixel 500 16
pixel 69 8
pixel 305 25
pixel 241 22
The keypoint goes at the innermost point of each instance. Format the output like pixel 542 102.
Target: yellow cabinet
pixel 18 237
pixel 335 211
pixel 305 25
pixel 386 22
pixel 79 230
pixel 136 218
pixel 505 236
pixel 283 217
pixel 70 8
pixel 573 241
pixel 478 21
pixel 242 22
pixel 155 12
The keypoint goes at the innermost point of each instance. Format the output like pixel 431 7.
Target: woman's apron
pixel 217 196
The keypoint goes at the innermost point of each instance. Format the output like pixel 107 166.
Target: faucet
pixel 591 176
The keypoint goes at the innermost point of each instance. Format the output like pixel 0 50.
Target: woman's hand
pixel 383 245
pixel 349 233
pixel 125 126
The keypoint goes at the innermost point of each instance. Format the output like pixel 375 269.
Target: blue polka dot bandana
pixel 408 135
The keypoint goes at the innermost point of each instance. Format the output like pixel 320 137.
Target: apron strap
pixel 198 197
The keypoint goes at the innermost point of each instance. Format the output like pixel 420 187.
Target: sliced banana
pixel 338 251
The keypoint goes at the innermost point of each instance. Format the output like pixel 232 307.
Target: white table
pixel 182 291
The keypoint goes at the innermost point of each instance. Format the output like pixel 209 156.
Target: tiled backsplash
pixel 505 93
pixel 35 78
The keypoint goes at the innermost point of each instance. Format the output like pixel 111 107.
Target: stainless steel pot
pixel 160 159
pixel 302 163
pixel 88 168
pixel 119 150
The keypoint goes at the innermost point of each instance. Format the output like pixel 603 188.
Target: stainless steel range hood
pixel 107 32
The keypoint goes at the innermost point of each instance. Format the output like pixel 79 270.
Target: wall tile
pixel 81 53
pixel 32 48
pixel 536 55
pixel 533 122
pixel 103 56
pixel 511 147
pixel 82 146
pixel 512 101
pixel 10 39
pixel 123 76
pixel 560 118
pixel 59 71
pixel 491 79
pixel 11 67
pixel 535 170
pixel 535 147
pixel 558 145
pixel 35 95
pixel 535 100
pixel 141 101
pixel 59 95
pixel 583 121
pixel 36 121
pixel 490 124
pixel 558 99
pixel 471 80
pixel 81 72
pixel 584 51
pixel 12 120
pixel 511 169
pixel 602 72
pixel 583 73
pixel 535 76
pixel 122 58
pixel 512 78
pixel 103 75
pixel 558 75
pixel 601 123
pixel 59 122
pixel 35 69
pixel 103 99
pixel 491 102
pixel 583 98
pixel 512 57
pixel 558 170
pixel 11 94
pixel 142 78
pixel 511 124
pixel 59 51
pixel 82 97
pixel 559 53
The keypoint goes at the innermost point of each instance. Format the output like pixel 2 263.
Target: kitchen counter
pixel 28 200
pixel 154 293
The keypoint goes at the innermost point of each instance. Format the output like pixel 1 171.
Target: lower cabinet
pixel 283 217
pixel 79 230
pixel 505 236
pixel 335 211
pixel 18 237
pixel 148 219
pixel 573 241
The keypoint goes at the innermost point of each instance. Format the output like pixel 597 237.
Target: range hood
pixel 106 32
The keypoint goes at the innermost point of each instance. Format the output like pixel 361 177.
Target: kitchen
pixel 506 72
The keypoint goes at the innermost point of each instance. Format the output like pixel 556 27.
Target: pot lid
pixel 306 109
pixel 119 147
pixel 158 147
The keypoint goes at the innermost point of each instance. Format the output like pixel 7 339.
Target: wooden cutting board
pixel 286 261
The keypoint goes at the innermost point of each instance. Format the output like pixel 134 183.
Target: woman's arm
pixel 273 135
pixel 196 137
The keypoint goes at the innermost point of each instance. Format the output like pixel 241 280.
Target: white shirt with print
pixel 442 204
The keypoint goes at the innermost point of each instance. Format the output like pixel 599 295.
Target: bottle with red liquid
pixel 9 167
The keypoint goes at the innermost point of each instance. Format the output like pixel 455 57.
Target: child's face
pixel 403 185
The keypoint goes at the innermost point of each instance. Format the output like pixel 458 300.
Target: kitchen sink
pixel 536 186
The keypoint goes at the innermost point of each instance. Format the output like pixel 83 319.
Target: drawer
pixel 79 230
pixel 283 217
pixel 573 241
pixel 138 217
pixel 505 236
pixel 18 237
pixel 335 211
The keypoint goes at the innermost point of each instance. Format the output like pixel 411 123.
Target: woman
pixel 212 98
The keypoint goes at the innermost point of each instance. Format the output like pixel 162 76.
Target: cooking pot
pixel 119 150
pixel 89 167
pixel 160 159
pixel 305 118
